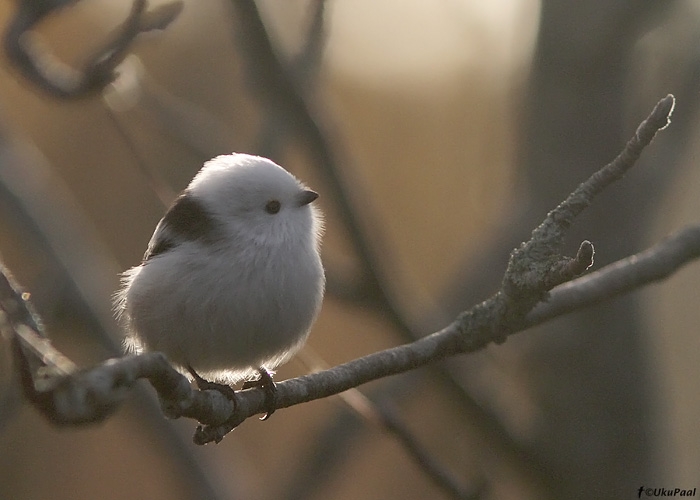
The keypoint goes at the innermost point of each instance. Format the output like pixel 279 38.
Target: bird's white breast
pixel 200 315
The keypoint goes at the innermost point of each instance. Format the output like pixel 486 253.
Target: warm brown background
pixel 461 123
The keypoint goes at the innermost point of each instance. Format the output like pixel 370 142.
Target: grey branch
pixel 535 268
pixel 37 64
pixel 655 264
pixel 294 79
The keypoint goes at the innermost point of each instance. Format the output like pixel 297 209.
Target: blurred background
pixel 438 134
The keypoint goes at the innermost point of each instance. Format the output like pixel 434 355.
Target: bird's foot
pixel 204 384
pixel 266 383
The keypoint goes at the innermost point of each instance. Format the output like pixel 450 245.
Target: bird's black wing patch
pixel 186 220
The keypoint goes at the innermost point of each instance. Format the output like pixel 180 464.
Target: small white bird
pixel 232 279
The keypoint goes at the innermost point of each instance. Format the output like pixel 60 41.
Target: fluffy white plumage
pixel 232 279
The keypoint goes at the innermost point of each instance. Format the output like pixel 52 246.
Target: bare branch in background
pixel 281 86
pixel 283 89
pixel 38 65
pixel 442 478
pixel 282 95
pixel 80 266
pixel 384 417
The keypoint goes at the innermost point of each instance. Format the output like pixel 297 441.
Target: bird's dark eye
pixel 273 206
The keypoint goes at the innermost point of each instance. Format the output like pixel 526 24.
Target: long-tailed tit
pixel 232 279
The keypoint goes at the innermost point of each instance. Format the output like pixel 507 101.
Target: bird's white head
pixel 256 198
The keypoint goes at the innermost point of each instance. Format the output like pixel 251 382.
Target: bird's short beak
pixel 306 197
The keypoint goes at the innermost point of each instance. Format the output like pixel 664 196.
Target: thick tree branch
pixel 534 268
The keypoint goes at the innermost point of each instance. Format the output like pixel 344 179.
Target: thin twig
pixel 558 221
pixel 440 476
